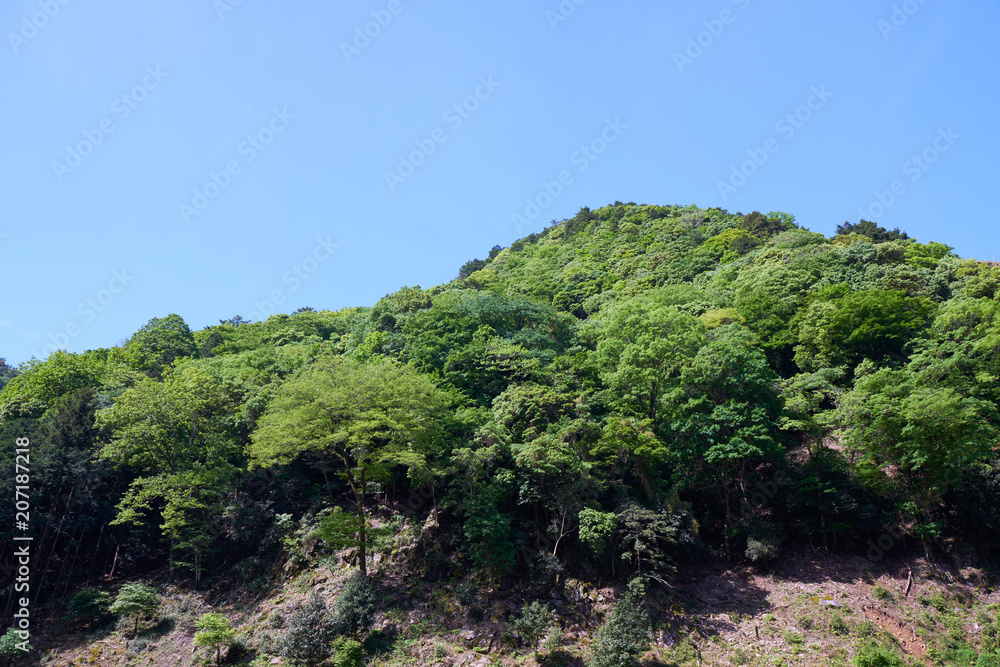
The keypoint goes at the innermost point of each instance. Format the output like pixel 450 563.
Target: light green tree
pixel 370 417
pixel 215 633
pixel 136 600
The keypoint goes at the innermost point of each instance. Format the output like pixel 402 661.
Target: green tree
pixel 179 433
pixel 40 383
pixel 215 633
pixel 90 605
pixel 309 633
pixel 871 230
pixel 354 609
pixel 7 373
pixel 624 636
pixel 9 644
pixel 928 431
pixel 347 652
pixel 136 600
pixel 535 620
pixel 872 324
pixel 726 425
pixel 159 344
pixel 596 529
pixel 642 350
pixel 369 417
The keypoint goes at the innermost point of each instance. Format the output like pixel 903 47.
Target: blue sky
pixel 214 157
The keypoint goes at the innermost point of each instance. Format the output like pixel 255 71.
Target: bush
pixel 215 634
pixel 355 606
pixel 838 625
pixel 9 642
pixel 310 633
pixel 137 601
pixel 90 605
pixel 882 593
pixel 533 624
pixel 876 656
pixel 988 660
pixel 347 653
pixel 624 636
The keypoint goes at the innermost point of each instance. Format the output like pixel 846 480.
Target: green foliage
pixel 7 373
pixel 668 362
pixel 596 529
pixel 534 623
pixel 873 324
pixel 214 633
pixel 877 656
pixel 136 600
pixel 90 605
pixel 347 653
pixel 39 383
pixel 731 244
pixel 988 660
pixel 310 633
pixel 355 606
pixel 8 643
pixel 871 230
pixel 642 350
pixel 367 417
pixel 652 540
pixel 159 344
pixel 623 637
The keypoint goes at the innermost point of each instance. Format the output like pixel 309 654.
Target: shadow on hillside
pixel 807 566
pixel 559 659
pixel 717 595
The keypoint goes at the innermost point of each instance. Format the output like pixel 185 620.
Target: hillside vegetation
pixel 647 433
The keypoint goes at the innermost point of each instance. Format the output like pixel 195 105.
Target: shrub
pixel 90 605
pixel 355 606
pixel 624 636
pixel 136 600
pixel 216 634
pixel 534 622
pixel 988 660
pixel 347 653
pixel 882 593
pixel 876 656
pixel 310 633
pixel 9 642
pixel 838 625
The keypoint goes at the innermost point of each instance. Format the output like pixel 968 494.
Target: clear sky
pixel 219 157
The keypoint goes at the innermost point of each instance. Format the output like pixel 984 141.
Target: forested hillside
pixel 624 396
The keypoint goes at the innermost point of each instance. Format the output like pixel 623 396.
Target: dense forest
pixel 615 399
